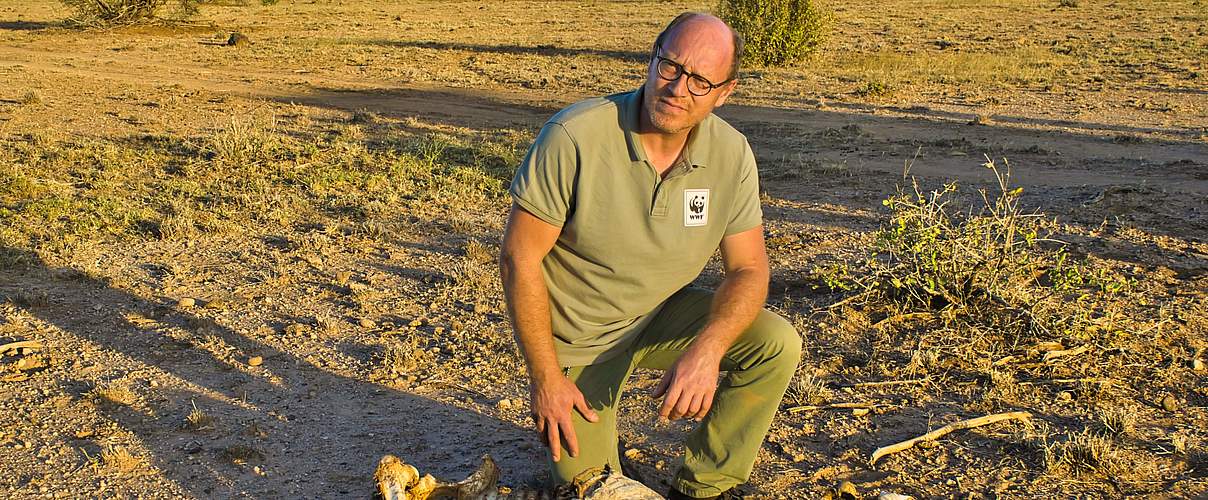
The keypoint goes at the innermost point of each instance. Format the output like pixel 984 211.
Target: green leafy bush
pixel 777 32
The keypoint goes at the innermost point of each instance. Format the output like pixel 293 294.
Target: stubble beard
pixel 661 122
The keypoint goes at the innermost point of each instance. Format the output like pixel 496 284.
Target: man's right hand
pixel 552 401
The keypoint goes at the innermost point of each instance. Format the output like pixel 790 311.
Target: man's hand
pixel 552 401
pixel 689 384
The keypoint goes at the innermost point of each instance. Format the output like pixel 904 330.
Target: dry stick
pixel 835 406
pixel 945 430
pixel 900 318
pixel 23 344
pixel 848 300
pixel 890 382
pixel 1051 355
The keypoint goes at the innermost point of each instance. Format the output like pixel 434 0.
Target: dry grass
pixel 806 389
pixel 115 393
pixel 404 361
pixel 241 454
pixel 198 420
pixel 121 460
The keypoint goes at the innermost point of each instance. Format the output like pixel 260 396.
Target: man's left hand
pixel 689 385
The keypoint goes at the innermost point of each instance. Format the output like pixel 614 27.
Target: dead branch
pixel 902 318
pixel 884 383
pixel 23 344
pixel 1051 355
pixel 945 430
pixel 834 406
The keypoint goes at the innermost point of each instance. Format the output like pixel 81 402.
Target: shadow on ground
pixel 312 431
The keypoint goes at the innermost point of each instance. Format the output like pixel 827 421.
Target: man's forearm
pixel 528 306
pixel 735 304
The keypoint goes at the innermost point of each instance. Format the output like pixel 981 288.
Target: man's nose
pixel 679 86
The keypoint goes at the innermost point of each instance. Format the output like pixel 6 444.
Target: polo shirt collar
pixel 631 109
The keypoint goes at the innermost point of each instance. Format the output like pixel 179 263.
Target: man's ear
pixel 725 90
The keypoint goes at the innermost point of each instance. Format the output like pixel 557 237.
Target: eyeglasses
pixel 671 71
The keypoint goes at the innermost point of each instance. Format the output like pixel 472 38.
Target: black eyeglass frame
pixel 680 72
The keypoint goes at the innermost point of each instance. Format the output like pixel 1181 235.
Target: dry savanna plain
pixel 251 271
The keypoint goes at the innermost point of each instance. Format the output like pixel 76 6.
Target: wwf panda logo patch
pixel 696 207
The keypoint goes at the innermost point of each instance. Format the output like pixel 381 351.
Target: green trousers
pixel 720 452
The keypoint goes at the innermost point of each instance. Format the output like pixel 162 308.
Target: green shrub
pixel 777 32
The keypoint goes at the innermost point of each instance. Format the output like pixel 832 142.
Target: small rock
pixel 660 465
pixel 859 412
pixel 1169 403
pixel 847 491
pixel 1198 365
pixel 633 454
pixel 503 405
pixel 888 495
pixel 367 323
pixel 255 361
pixel 187 302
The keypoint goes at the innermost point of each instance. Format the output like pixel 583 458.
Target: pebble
pixel 1198 365
pixel 1169 403
pixel 503 404
pixel 367 323
pixel 255 361
pixel 187 302
pixel 633 454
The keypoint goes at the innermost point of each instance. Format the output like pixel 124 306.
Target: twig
pixel 848 300
pixel 1051 355
pixel 23 344
pixel 1087 380
pixel 834 406
pixel 901 318
pixel 884 383
pixel 945 430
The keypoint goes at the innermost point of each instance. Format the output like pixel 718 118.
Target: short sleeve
pixel 544 183
pixel 746 213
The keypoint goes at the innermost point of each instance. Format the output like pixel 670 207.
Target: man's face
pixel 670 106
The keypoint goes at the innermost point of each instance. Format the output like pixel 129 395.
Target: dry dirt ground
pixel 253 271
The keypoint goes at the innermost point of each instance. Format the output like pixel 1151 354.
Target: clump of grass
pixel 1118 421
pixel 120 459
pixel 405 360
pixel 806 389
pixel 198 420
pixel 873 89
pixel 30 98
pixel 244 142
pixel 116 393
pixel 1085 452
pixel 241 454
pixel 475 271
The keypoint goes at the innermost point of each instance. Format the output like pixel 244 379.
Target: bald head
pixel 706 30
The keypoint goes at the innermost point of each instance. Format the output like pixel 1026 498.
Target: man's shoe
pixel 730 494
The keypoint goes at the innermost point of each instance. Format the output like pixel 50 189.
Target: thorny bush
pixel 997 268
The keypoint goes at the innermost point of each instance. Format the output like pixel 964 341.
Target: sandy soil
pixel 1118 152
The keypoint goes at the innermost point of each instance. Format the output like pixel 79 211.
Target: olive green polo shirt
pixel 630 239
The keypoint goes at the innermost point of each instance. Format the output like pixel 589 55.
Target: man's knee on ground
pixel 778 340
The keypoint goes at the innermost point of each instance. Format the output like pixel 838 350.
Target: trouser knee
pixel 779 345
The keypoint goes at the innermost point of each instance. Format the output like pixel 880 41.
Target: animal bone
pixel 397 480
